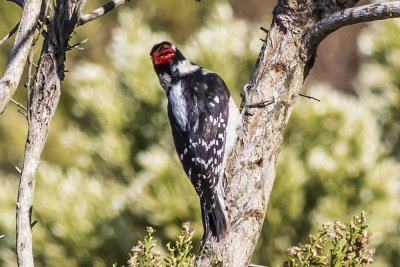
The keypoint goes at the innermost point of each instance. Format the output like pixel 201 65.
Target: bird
pixel 204 120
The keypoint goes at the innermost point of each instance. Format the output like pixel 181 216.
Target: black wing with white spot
pixel 207 138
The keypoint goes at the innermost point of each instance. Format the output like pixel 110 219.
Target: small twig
pixel 261 104
pixel 264 29
pixel 28 84
pixel 18 170
pixel 5 38
pixel 33 224
pixel 95 14
pixel 23 113
pixel 310 97
pixel 76 46
pixel 18 104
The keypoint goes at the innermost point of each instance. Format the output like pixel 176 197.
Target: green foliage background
pixel 109 168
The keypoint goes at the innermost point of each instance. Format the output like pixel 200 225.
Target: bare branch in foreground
pixel 95 14
pixel 43 97
pixel 22 45
pixel 350 16
pixel 5 38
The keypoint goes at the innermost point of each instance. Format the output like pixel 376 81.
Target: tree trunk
pixel 283 64
pixel 45 96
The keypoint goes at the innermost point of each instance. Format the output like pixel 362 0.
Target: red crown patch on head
pixel 163 54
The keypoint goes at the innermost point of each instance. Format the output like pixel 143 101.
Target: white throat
pixel 185 67
pixel 178 104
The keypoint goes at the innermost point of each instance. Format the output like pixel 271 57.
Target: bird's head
pixel 169 62
pixel 163 53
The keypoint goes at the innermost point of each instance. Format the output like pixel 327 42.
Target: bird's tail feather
pixel 214 222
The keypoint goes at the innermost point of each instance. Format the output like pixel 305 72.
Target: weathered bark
pixel 22 45
pixel 45 95
pixel 61 20
pixel 283 64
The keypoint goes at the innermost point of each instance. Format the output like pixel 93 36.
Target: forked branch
pixel 350 16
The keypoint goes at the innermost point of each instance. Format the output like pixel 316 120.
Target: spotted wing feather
pixel 209 136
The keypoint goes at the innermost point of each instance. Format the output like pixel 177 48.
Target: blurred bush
pixel 109 168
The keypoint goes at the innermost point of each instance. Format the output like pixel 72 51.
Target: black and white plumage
pixel 204 121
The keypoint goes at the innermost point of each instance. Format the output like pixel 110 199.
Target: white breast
pixel 178 104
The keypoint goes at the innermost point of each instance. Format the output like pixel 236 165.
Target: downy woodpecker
pixel 204 121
